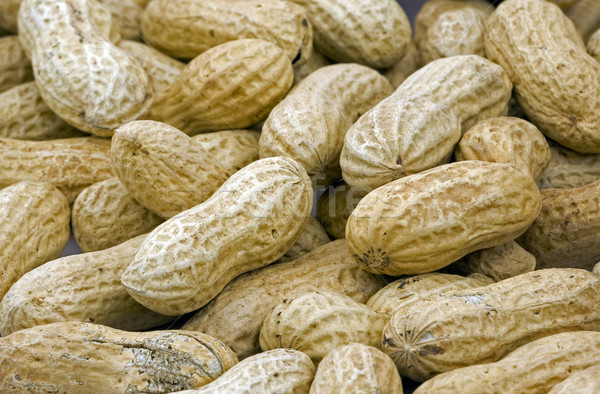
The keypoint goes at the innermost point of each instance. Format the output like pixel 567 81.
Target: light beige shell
pixel 335 206
pixel 555 79
pixel 312 64
pixel 499 263
pixel 586 381
pixel 25 116
pixel 482 325
pixel 232 149
pixel 446 28
pixel 15 67
pixel 313 236
pixel 237 313
pixel 83 358
pixel 417 127
pixel 593 45
pixel 373 33
pixel 356 368
pixel 404 68
pixel 105 215
pixel 34 228
pixel 318 322
pixel 585 15
pixel 426 221
pixel 128 16
pixel 163 168
pixel 187 28
pixel 276 371
pixel 565 233
pixel 506 140
pixel 9 10
pixel 233 85
pixel 81 75
pixel 251 221
pixel 162 69
pixel 533 368
pixel 84 287
pixel 70 164
pixel 309 125
pixel 406 291
pixel 569 169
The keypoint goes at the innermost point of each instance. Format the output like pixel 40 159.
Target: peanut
pixel 564 234
pixel 568 169
pixel 586 381
pixel 209 23
pixel 233 85
pixel 83 77
pixel 482 325
pixel 335 206
pixel 232 149
pixel 251 221
pixel 356 368
pixel 532 368
pixel 105 215
pixel 162 168
pixel 82 358
pixel 296 127
pixel 585 15
pixel 85 287
pixel 417 127
pixel 237 313
pixel 373 33
pixel 593 45
pixel 15 67
pixel 506 140
pixel 555 79
pixel 318 322
pixel 70 164
pixel 426 221
pixel 34 223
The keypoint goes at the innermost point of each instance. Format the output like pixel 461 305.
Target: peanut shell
pixel 586 381
pixel 15 67
pixel 568 169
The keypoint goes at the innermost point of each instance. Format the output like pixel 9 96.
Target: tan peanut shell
pixel 9 10
pixel 318 322
pixel 404 292
pixel 446 28
pixel 82 358
pixel 593 45
pixel 162 168
pixel 586 381
pixel 83 77
pixel 482 325
pixel 566 230
pixel 335 206
pixel 25 116
pixel 555 79
pixel 376 34
pixel 309 125
pixel 233 85
pixel 127 15
pixel 404 68
pixel 506 140
pixel 34 228
pixel 274 371
pixel 426 221
pixel 312 64
pixel 499 263
pixel 251 221
pixel 569 169
pixel 232 149
pixel 15 67
pixel 237 313
pixel 356 368
pixel 70 164
pixel 532 368
pixel 585 15
pixel 162 69
pixel 105 215
pixel 84 287
pixel 417 127
pixel 313 236
pixel 209 23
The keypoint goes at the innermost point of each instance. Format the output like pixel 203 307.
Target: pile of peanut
pixel 299 196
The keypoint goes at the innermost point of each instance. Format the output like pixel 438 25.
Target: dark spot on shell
pixel 399 161
pixel 304 22
pixel 298 56
pixel 388 342
pixel 82 114
pixel 211 32
pixel 145 151
pixel 431 350
pixel 92 319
